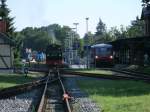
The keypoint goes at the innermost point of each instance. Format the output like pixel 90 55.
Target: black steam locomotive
pixel 54 56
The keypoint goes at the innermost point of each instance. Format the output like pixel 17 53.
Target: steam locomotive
pixel 54 56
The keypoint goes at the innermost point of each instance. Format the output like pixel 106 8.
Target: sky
pixel 37 13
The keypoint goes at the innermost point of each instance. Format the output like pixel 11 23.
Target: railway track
pixel 134 74
pixel 54 98
pixel 13 91
pixel 118 74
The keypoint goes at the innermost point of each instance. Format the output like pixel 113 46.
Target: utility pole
pixel 75 43
pixel 87 25
pixel 76 24
pixel 72 43
pixel 87 50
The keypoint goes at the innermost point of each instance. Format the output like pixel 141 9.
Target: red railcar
pixel 102 54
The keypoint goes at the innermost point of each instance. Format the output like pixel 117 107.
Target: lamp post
pixel 87 18
pixel 75 42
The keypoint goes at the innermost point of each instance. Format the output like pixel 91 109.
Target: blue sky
pixel 38 13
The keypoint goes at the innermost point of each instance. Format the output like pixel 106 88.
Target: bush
pixel 17 63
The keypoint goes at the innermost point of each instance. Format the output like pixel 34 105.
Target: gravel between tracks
pixel 82 102
pixel 20 103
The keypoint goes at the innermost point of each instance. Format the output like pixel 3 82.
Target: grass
pixel 107 72
pixel 118 96
pixel 145 69
pixel 9 80
pixel 104 72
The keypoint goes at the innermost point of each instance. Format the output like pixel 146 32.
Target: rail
pixel 65 95
pixel 122 75
pixel 13 91
pixel 40 107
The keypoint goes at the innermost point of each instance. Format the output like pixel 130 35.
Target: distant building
pixel 6 52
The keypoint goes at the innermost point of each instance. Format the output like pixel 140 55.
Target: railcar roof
pixel 101 45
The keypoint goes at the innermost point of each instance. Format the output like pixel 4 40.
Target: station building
pixel 6 51
pixel 133 50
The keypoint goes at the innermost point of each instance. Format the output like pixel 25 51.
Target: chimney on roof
pixel 2 26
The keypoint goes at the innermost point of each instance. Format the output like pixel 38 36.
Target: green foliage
pixel 80 51
pixel 145 2
pixel 35 39
pixel 101 35
pixel 39 38
pixel 114 33
pixel 101 28
pixel 136 29
pixel 88 39
pixel 17 62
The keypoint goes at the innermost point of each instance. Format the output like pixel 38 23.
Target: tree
pixel 88 39
pixel 100 32
pixel 35 39
pixel 4 14
pixel 60 33
pixel 145 3
pixel 101 28
pixel 123 32
pixel 81 50
pixel 114 33
pixel 136 29
pixel 44 36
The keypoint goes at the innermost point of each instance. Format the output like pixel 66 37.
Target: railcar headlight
pixel 96 57
pixel 111 57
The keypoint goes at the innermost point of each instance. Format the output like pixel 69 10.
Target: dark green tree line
pixel 39 38
pixel 103 35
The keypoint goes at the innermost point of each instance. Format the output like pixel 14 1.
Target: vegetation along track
pixel 54 98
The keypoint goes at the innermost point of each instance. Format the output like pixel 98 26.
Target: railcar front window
pixel 103 51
